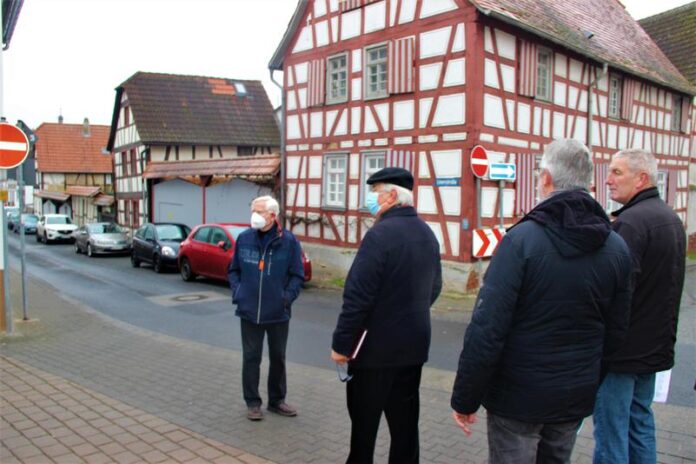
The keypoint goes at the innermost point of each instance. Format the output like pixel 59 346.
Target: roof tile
pixel 63 148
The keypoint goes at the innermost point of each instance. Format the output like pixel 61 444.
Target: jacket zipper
pixel 261 267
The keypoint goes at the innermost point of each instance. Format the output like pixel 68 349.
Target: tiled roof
pixel 617 39
pixel 63 148
pixel 175 109
pixel 50 195
pixel 674 31
pixel 82 190
pixel 250 168
pixel 103 199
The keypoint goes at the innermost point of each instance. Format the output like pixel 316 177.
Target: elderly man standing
pixel 624 427
pixel 265 276
pixel 553 307
pixel 395 278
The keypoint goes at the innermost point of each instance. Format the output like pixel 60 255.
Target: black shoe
pixel 254 413
pixel 283 409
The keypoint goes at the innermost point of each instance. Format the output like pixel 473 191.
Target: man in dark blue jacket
pixel 395 278
pixel 265 276
pixel 554 305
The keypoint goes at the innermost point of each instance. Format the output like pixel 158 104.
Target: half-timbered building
pixel 419 84
pixel 73 171
pixel 191 149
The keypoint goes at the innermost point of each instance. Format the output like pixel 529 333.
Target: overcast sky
pixel 68 55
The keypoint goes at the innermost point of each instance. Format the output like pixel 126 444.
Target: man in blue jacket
pixel 265 276
pixel 553 307
pixel 395 278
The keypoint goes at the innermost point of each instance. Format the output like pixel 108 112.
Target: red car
pixel 208 249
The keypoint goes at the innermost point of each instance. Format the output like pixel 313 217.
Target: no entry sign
pixel 14 146
pixel 479 161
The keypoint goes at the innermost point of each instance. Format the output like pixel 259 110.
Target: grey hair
pixel 570 164
pixel 639 160
pixel 404 196
pixel 271 203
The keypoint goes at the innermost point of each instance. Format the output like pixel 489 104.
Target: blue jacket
pixel 395 278
pixel 265 280
pixel 554 306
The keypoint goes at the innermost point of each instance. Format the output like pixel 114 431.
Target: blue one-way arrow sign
pixel 502 171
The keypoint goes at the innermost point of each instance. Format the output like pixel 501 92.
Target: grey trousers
pixel 514 442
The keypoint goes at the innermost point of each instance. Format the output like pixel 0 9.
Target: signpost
pixel 479 161
pixel 14 148
pixel 502 171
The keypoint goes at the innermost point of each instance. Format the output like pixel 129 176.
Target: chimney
pixel 60 119
pixel 85 128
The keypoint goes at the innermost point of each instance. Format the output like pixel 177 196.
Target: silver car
pixel 101 238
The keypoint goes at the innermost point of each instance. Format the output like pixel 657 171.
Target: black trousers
pixel 252 349
pixel 394 391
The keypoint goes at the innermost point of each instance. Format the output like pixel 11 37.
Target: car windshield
pixel 236 230
pixel 172 232
pixel 58 220
pixel 105 228
pixel 30 218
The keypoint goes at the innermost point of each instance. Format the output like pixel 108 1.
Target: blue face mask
pixel 372 203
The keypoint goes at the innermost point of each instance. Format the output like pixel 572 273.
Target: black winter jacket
pixel 395 278
pixel 657 241
pixel 554 303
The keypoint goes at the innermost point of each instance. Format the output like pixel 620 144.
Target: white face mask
pixel 257 221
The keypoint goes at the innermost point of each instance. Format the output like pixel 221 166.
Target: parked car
pixel 29 221
pixel 12 220
pixel 54 227
pixel 10 211
pixel 101 238
pixel 209 248
pixel 158 244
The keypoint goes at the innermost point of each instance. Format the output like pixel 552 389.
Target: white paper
pixel 662 386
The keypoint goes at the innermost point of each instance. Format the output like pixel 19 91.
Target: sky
pixel 67 56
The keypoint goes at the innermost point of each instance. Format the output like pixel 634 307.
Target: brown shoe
pixel 254 413
pixel 283 409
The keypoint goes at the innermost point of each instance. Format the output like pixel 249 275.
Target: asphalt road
pixel 201 311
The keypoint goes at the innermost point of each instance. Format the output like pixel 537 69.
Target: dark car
pixel 101 238
pixel 12 220
pixel 158 244
pixel 29 222
pixel 208 251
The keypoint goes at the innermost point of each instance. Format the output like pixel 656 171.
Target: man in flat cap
pixel 383 331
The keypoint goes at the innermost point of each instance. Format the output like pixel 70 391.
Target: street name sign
pixel 14 146
pixel 502 171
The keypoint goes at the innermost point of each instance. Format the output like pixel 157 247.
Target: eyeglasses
pixel 343 374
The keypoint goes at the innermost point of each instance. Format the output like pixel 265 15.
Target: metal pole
pixel 501 191
pixel 22 240
pixel 3 219
pixel 478 202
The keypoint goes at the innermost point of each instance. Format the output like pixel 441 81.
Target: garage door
pixel 178 201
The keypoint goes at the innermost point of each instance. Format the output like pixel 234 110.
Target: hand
pixel 339 358
pixel 464 421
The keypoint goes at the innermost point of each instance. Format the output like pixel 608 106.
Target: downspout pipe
pixel 590 107
pixel 281 126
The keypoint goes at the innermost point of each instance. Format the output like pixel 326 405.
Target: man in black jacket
pixel 554 304
pixel 624 427
pixel 395 278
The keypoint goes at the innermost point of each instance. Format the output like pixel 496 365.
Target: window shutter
pixel 672 176
pixel 528 69
pixel 347 5
pixel 627 97
pixel 400 63
pixel 400 159
pixel 316 83
pixel 685 111
pixel 525 195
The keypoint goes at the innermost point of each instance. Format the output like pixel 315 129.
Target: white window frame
pixel 368 65
pixel 662 177
pixel 614 101
pixel 676 113
pixel 366 172
pixel 547 73
pixel 330 169
pixel 330 72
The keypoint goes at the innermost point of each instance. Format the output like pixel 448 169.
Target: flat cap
pixel 396 176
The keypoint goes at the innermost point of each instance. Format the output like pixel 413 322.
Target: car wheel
pixel 77 248
pixel 186 272
pixel 89 250
pixel 45 238
pixel 38 238
pixel 157 264
pixel 135 262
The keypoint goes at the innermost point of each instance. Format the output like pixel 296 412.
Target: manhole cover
pixel 190 298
